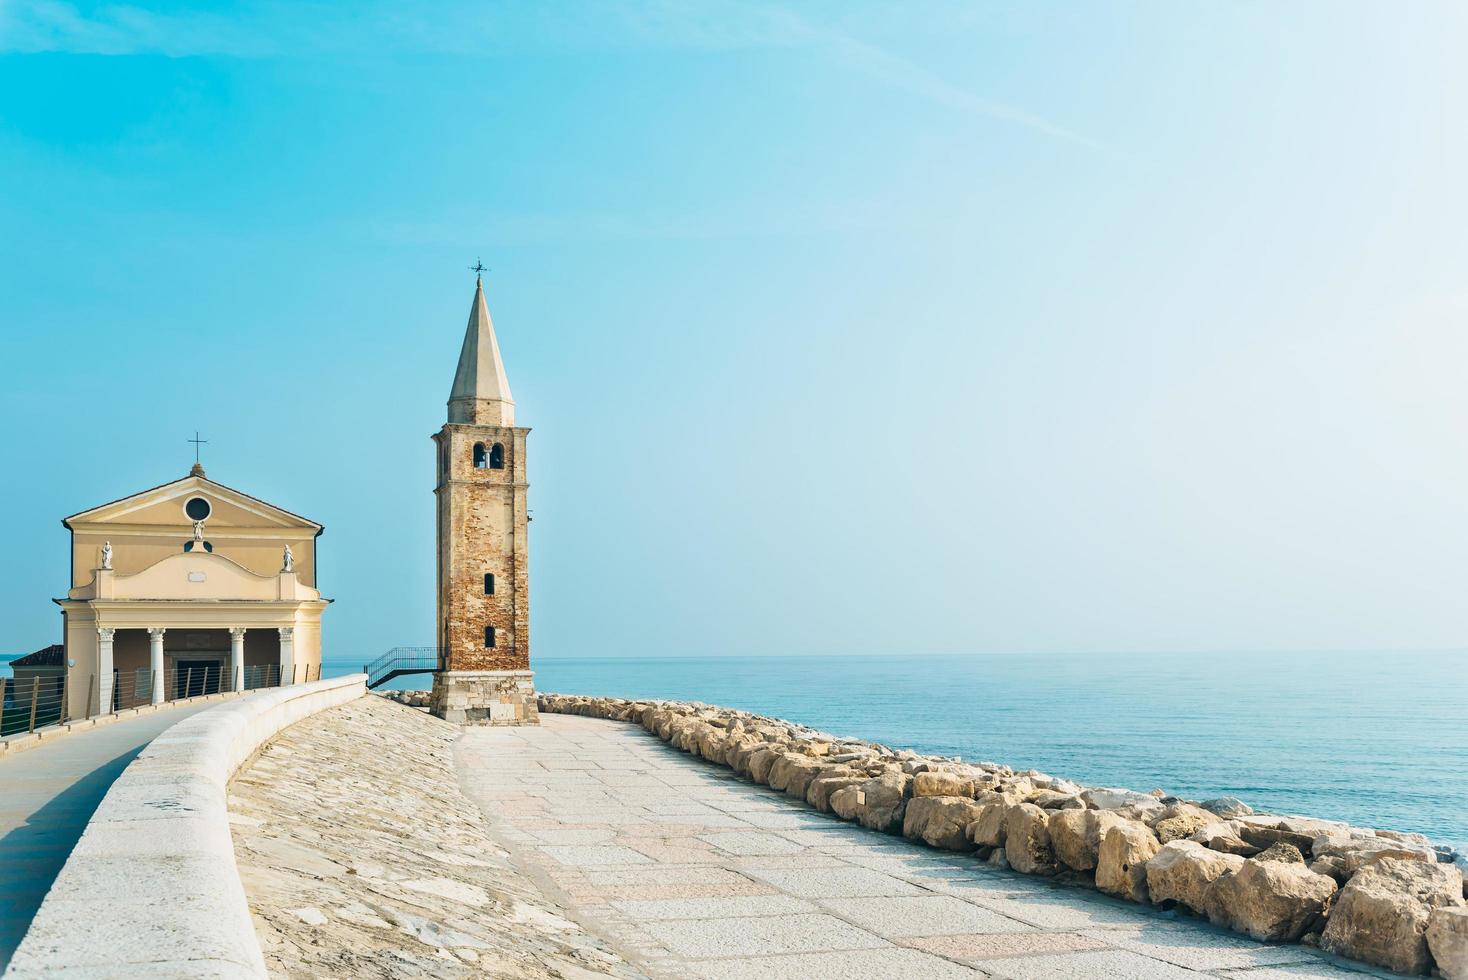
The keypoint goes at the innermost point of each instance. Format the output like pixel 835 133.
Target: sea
pixel 1377 739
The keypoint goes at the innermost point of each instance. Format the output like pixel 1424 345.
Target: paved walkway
pixel 47 795
pixel 691 871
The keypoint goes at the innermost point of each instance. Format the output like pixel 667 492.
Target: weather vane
pixel 197 442
pixel 478 268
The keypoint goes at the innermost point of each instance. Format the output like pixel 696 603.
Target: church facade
pixel 484 674
pixel 188 588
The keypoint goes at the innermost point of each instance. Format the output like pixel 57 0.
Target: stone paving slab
pixel 920 915
pixel 710 938
pixel 689 871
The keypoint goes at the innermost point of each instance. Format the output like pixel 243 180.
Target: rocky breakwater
pixel 1387 898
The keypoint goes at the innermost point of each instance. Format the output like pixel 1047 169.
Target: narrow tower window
pixel 489 636
pixel 497 457
pixel 481 460
pixel 489 583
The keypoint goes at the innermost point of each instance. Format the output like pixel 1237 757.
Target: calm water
pixel 1376 739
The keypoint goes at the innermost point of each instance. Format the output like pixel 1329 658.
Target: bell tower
pixel 484 673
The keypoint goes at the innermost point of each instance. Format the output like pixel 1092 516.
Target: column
pixel 155 660
pixel 287 654
pixel 236 660
pixel 104 673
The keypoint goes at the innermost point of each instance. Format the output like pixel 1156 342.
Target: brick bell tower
pixel 484 673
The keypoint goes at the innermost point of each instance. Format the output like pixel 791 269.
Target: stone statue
pixel 107 555
pixel 199 531
pixel 290 560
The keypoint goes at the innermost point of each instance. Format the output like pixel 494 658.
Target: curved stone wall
pixel 151 888
pixel 1389 898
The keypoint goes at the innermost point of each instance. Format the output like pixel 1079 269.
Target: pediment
pixel 164 505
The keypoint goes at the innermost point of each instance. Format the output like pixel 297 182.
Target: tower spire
pixel 481 392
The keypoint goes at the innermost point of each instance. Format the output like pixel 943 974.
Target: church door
pixel 195 677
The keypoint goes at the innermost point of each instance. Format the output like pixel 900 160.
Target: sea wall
pixel 1388 898
pixel 151 888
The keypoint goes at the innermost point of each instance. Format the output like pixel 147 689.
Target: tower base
pixel 485 697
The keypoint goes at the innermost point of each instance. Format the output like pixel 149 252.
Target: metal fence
pixel 40 698
pixel 31 701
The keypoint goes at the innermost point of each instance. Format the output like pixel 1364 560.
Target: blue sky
pixel 1007 327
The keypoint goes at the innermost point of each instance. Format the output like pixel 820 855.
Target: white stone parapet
pixel 151 888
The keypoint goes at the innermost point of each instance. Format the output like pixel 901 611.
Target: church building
pixel 483 674
pixel 185 589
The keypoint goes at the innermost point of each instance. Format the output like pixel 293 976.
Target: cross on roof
pixel 478 268
pixel 197 442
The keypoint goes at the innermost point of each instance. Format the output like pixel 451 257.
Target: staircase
pixel 399 661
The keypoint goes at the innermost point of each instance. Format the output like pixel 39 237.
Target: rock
pixel 827 783
pixel 1075 835
pixel 1269 898
pixel 846 801
pixel 941 784
pixel 1381 916
pixel 1357 852
pixel 1286 853
pixel 884 800
pixel 1027 840
pixel 1183 870
pixel 737 753
pixel 797 784
pixel 1104 798
pixel 1447 939
pixel 1181 820
pixel 1332 866
pixel 1312 828
pixel 760 762
pixel 940 821
pixel 1058 785
pixel 1121 862
pixel 713 743
pixel 1049 799
pixel 787 765
pixel 1227 806
pixel 987 830
pixel 310 916
pixel 1263 837
pixel 1224 837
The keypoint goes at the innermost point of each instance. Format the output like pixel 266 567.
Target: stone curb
pixel 16 744
pixel 152 888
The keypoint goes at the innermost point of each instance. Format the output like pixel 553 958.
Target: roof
pixel 481 391
pixel 45 657
pixel 196 480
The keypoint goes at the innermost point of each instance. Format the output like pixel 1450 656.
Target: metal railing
pixel 402 660
pixel 32 701
pixel 36 700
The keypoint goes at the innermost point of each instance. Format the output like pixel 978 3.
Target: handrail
pixel 45 698
pixel 402 660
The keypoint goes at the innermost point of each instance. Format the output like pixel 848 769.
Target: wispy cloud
pixel 269 29
pixel 913 78
pixel 34 26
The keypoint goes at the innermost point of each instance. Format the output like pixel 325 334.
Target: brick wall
pixel 482 528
